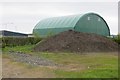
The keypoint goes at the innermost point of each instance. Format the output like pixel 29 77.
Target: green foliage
pixel 25 48
pixel 36 35
pixel 50 33
pixel 18 41
pixel 117 39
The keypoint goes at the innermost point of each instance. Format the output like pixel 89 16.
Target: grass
pixel 68 58
pixel 0 66
pixel 25 48
pixel 88 65
pixel 94 65
pixel 97 73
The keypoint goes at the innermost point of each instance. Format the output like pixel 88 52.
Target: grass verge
pixel 25 48
pixel 88 65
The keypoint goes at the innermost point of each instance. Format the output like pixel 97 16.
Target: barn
pixel 5 33
pixel 88 23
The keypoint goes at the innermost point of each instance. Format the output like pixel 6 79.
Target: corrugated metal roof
pixel 58 22
pixel 10 33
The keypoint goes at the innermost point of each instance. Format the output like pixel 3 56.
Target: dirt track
pixel 20 65
pixel 30 59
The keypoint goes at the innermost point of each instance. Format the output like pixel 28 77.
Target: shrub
pixel 18 41
pixel 117 39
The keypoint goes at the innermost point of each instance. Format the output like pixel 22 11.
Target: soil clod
pixel 72 41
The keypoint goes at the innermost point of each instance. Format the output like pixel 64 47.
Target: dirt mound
pixel 71 41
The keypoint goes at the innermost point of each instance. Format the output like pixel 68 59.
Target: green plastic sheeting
pixel 89 23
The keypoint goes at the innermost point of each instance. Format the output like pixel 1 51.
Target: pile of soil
pixel 71 41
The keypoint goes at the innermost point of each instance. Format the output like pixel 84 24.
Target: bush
pixel 18 41
pixel 117 39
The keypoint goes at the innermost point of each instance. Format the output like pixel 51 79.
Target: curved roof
pixel 77 22
pixel 58 22
pixel 62 22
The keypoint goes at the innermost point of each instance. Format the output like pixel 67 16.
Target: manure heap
pixel 71 41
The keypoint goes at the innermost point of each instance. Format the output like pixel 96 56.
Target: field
pixel 0 66
pixel 85 65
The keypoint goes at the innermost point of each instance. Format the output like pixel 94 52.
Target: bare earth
pixel 13 69
pixel 72 41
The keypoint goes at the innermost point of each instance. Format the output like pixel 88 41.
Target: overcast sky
pixel 23 16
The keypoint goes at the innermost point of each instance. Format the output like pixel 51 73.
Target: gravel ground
pixel 30 59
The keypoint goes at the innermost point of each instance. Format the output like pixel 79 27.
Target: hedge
pixel 117 39
pixel 18 41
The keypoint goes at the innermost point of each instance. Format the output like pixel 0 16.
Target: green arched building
pixel 89 23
